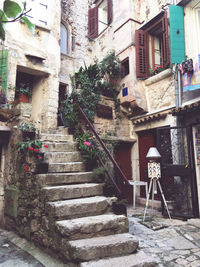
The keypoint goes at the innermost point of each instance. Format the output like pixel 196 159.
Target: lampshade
pixel 153 153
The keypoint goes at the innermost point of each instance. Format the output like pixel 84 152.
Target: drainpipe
pixel 178 92
pixel 179 89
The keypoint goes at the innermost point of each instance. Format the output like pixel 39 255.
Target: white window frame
pixel 102 16
pixel 64 40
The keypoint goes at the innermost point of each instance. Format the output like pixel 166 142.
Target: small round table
pixel 138 183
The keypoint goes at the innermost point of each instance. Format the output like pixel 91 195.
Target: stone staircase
pixel 81 222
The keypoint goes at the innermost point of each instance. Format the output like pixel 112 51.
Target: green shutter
pixel 4 69
pixel 177 40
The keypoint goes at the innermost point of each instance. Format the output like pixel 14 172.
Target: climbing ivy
pixel 88 84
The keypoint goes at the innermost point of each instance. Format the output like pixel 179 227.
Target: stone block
pixel 11 201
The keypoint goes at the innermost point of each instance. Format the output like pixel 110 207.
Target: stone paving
pixel 18 252
pixel 169 242
pixel 172 243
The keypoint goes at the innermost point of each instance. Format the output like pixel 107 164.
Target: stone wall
pixel 160 91
pixel 75 18
pixel 38 55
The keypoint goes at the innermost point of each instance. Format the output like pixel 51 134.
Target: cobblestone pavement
pixel 18 252
pixel 169 242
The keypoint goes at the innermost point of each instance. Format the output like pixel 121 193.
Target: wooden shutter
pixel 142 54
pixel 93 22
pixel 110 11
pixel 4 69
pixel 177 38
pixel 165 41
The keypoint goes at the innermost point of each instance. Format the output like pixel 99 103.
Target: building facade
pixel 159 54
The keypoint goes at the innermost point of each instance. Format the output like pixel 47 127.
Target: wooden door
pixel 147 139
pixel 123 158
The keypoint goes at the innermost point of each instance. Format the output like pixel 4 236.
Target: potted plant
pixel 156 70
pixel 32 150
pixel 119 207
pixel 24 92
pixel 28 130
pixel 88 151
pixel 110 66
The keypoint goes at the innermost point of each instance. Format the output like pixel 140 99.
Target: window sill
pixel 43 28
pixel 38 27
pixel 158 77
pixel 66 56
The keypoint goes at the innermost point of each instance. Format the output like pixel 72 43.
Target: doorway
pixel 146 139
pixel 61 98
pixel 123 158
pixel 175 145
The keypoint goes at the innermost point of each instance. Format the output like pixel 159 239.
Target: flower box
pixel 42 167
pixel 27 134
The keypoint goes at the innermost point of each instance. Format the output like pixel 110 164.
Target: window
pixel 99 18
pixel 152 46
pixel 125 67
pixel 64 47
pixel 39 12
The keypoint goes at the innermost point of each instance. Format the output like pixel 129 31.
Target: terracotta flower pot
pixel 23 98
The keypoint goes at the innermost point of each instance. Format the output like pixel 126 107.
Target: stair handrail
pixel 124 179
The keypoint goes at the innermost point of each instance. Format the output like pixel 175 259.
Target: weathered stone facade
pixel 39 55
pixel 36 56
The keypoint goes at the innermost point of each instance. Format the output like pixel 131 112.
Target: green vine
pixel 88 84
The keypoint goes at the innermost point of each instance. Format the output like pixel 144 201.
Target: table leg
pixel 134 195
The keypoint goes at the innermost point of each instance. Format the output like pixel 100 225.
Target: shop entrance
pixel 175 145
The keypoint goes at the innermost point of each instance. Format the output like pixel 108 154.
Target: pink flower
pixel 87 143
pixel 46 146
pixel 30 148
pixel 36 150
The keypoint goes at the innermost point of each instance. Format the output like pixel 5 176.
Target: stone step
pixel 61 157
pixel 55 137
pixel 87 227
pixel 64 178
pixel 81 207
pixel 59 130
pixel 53 193
pixel 61 146
pixel 139 259
pixel 67 167
pixel 100 247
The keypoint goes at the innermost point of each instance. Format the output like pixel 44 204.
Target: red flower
pixel 46 146
pixel 36 150
pixel 26 168
pixel 31 148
